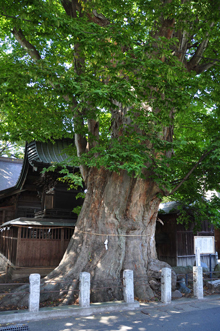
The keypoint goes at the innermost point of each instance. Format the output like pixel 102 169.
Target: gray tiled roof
pixel 10 170
pixel 13 175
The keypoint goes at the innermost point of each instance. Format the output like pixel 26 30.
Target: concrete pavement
pixel 18 316
pixel 181 314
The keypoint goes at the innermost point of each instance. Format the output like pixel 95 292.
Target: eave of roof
pixel 42 222
pixel 10 170
pixel 40 154
pixel 46 153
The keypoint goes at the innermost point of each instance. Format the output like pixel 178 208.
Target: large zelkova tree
pixel 136 83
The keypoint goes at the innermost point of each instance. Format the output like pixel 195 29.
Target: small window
pixel 40 234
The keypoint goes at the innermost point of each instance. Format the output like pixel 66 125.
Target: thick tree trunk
pixel 122 210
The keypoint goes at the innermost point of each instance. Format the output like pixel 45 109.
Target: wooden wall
pixel 166 239
pixel 7 213
pixel 184 243
pixel 8 244
pixel 41 247
pixel 190 260
pixel 28 203
pixel 175 244
pixel 30 247
pixel 24 204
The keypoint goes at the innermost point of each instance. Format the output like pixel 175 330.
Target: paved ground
pixel 183 314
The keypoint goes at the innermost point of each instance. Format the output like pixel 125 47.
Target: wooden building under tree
pixel 36 212
pixel 175 243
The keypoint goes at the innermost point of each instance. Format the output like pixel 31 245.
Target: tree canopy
pixel 14 150
pixel 136 82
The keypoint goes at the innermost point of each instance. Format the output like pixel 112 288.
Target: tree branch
pixel 204 155
pixel 81 143
pixel 71 7
pixel 16 18
pixel 34 54
pixel 80 140
pixel 193 63
pixel 93 127
pixel 204 67
pixel 2 150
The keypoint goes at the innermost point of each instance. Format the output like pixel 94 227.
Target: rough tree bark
pixel 122 210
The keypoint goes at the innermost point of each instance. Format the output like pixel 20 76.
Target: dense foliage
pixel 137 82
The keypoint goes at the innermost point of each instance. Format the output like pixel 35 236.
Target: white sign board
pixel 206 244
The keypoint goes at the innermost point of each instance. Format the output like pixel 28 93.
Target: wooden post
pixel 18 247
pixel 3 216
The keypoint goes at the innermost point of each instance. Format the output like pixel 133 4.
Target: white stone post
pixel 198 282
pixel 198 258
pixel 128 289
pixel 166 285
pixel 34 296
pixel 84 289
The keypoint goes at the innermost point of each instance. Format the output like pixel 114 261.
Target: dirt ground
pixel 7 286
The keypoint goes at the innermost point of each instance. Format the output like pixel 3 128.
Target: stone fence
pixel 128 288
pixel 84 290
pixel 166 284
